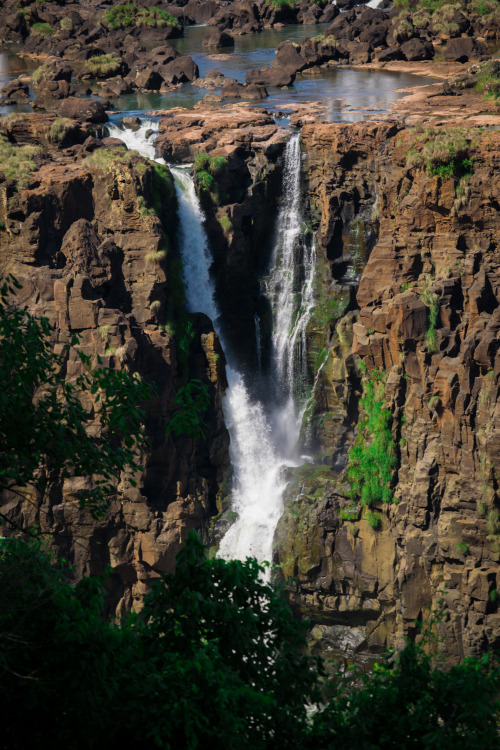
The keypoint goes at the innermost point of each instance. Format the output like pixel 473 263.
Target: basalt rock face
pixel 86 236
pixel 433 254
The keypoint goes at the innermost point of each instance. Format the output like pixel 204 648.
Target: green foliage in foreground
pixel 372 458
pixel 192 401
pixel 215 660
pixel 44 418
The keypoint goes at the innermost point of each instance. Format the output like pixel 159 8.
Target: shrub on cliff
pixel 443 152
pixel 372 458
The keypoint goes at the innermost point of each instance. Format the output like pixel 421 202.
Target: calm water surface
pixel 344 91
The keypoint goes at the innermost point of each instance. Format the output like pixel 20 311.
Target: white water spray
pixel 261 444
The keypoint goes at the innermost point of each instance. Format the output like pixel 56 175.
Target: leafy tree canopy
pixel 45 417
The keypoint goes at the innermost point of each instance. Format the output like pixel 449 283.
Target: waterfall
pixel 140 140
pixel 263 441
pixel 290 288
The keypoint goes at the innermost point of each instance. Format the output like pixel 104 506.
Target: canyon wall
pixel 421 323
pixel 91 233
pixel 407 299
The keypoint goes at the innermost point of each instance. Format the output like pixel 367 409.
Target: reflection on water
pixel 12 66
pixel 250 51
pixel 347 94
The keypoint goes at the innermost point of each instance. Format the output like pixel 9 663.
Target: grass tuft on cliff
pixel 60 129
pixel 445 153
pixel 17 162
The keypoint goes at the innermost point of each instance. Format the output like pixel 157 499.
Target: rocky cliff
pixel 90 232
pixel 416 333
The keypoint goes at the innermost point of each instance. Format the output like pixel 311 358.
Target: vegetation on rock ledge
pixel 372 458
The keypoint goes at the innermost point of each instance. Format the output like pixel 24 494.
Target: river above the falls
pixel 347 94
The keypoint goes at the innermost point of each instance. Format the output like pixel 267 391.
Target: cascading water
pixel 290 288
pixel 263 442
pixel 258 485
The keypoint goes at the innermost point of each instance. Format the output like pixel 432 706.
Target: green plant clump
pixel 282 4
pixel 208 169
pixel 60 129
pixel 373 520
pixel 488 80
pixel 431 301
pixel 129 15
pixel 225 223
pixel 462 548
pixel 443 152
pixel 103 65
pixel 66 24
pixel 372 458
pixel 43 29
pixel 16 162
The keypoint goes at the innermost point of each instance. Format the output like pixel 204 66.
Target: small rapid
pixel 263 437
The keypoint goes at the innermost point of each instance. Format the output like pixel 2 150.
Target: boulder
pixel 235 90
pixel 375 34
pixel 218 39
pixel 288 56
pixel 54 69
pixel 391 53
pixel 162 55
pixel 116 87
pixel 49 93
pixel 330 13
pixel 464 49
pixel 133 123
pixel 283 76
pixel 181 70
pixel 15 91
pixel 148 79
pixel 15 27
pixel 416 49
pixel 87 110
pixel 359 52
pixel 199 11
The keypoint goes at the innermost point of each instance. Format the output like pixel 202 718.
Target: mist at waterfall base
pixel 263 436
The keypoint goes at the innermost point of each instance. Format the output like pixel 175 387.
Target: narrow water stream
pixel 264 436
